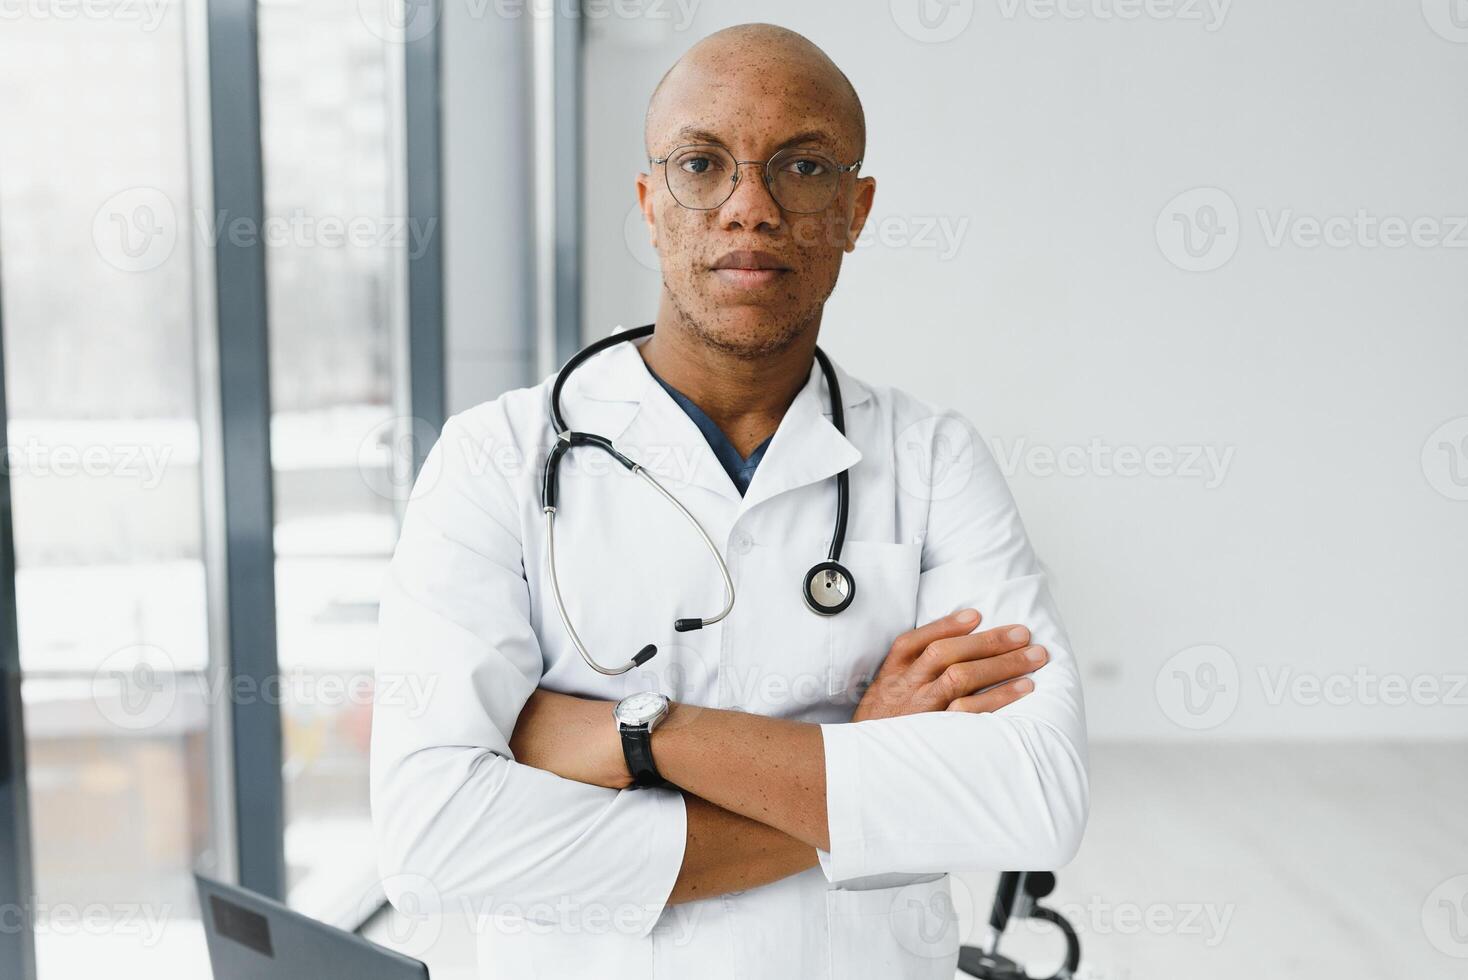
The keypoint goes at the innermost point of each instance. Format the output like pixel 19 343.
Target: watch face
pixel 641 708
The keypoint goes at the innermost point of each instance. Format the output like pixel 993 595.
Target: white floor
pixel 1214 862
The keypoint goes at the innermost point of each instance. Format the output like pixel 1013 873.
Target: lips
pixel 750 262
pixel 749 269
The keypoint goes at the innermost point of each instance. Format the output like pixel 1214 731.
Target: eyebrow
pixel 815 136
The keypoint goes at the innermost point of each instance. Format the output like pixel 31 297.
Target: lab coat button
pixel 741 543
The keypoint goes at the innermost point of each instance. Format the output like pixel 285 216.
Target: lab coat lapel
pixel 647 425
pixel 806 447
pixel 652 429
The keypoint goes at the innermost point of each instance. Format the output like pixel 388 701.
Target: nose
pixel 751 204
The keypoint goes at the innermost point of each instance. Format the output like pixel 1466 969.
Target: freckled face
pixel 754 100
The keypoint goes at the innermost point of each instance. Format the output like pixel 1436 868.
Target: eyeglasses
pixel 701 177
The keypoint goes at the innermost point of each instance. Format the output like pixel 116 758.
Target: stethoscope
pixel 828 587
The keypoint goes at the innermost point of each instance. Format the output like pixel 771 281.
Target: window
pixel 104 463
pixel 334 269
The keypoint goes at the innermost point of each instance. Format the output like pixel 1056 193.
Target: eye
pixel 698 164
pixel 806 166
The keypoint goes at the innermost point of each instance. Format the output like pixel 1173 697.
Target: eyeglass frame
pixel 764 172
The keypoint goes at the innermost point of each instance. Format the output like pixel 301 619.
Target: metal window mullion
pixel 244 427
pixel 557 56
pixel 423 168
pixel 17 932
pixel 221 861
pixel 566 70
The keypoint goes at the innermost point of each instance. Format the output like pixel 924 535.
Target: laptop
pixel 254 938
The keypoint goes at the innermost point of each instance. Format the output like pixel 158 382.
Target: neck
pixel 746 396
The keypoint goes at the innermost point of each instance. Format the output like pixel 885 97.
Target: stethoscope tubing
pixel 843 479
pixel 566 439
pixel 682 625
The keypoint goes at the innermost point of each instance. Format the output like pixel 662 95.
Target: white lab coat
pixel 571 880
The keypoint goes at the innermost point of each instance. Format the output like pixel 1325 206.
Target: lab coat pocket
pixel 907 931
pixel 885 604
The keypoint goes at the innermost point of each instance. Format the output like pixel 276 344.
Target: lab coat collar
pixel 805 449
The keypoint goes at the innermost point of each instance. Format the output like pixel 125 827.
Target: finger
pixel 970 676
pixel 910 645
pixel 994 698
pixel 947 651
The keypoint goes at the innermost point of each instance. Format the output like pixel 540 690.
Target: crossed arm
pixel 930 774
pixel 755 787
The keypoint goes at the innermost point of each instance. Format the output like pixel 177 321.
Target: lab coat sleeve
pixel 456 818
pixel 954 791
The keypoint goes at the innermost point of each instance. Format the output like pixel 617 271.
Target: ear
pixel 645 205
pixel 861 207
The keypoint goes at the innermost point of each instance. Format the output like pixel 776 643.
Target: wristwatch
pixel 637 715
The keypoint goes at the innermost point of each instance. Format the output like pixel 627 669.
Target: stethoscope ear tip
pixel 644 655
pixel 687 625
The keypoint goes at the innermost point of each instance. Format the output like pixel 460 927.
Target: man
pixel 808 821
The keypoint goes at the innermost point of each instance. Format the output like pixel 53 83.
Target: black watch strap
pixel 637 749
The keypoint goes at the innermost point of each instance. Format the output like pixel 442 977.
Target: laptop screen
pixel 253 938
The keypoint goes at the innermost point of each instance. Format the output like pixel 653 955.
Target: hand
pixel 575 738
pixel 943 666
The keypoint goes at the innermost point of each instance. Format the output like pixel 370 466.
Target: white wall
pixel 1048 150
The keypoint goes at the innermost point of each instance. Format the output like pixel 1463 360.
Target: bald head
pixel 756 64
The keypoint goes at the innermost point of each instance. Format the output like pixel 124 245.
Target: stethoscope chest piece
pixel 829 588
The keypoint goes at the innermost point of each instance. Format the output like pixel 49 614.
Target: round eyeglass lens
pixel 803 181
pixel 701 177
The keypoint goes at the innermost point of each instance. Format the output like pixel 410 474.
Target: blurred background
pixel 1197 270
